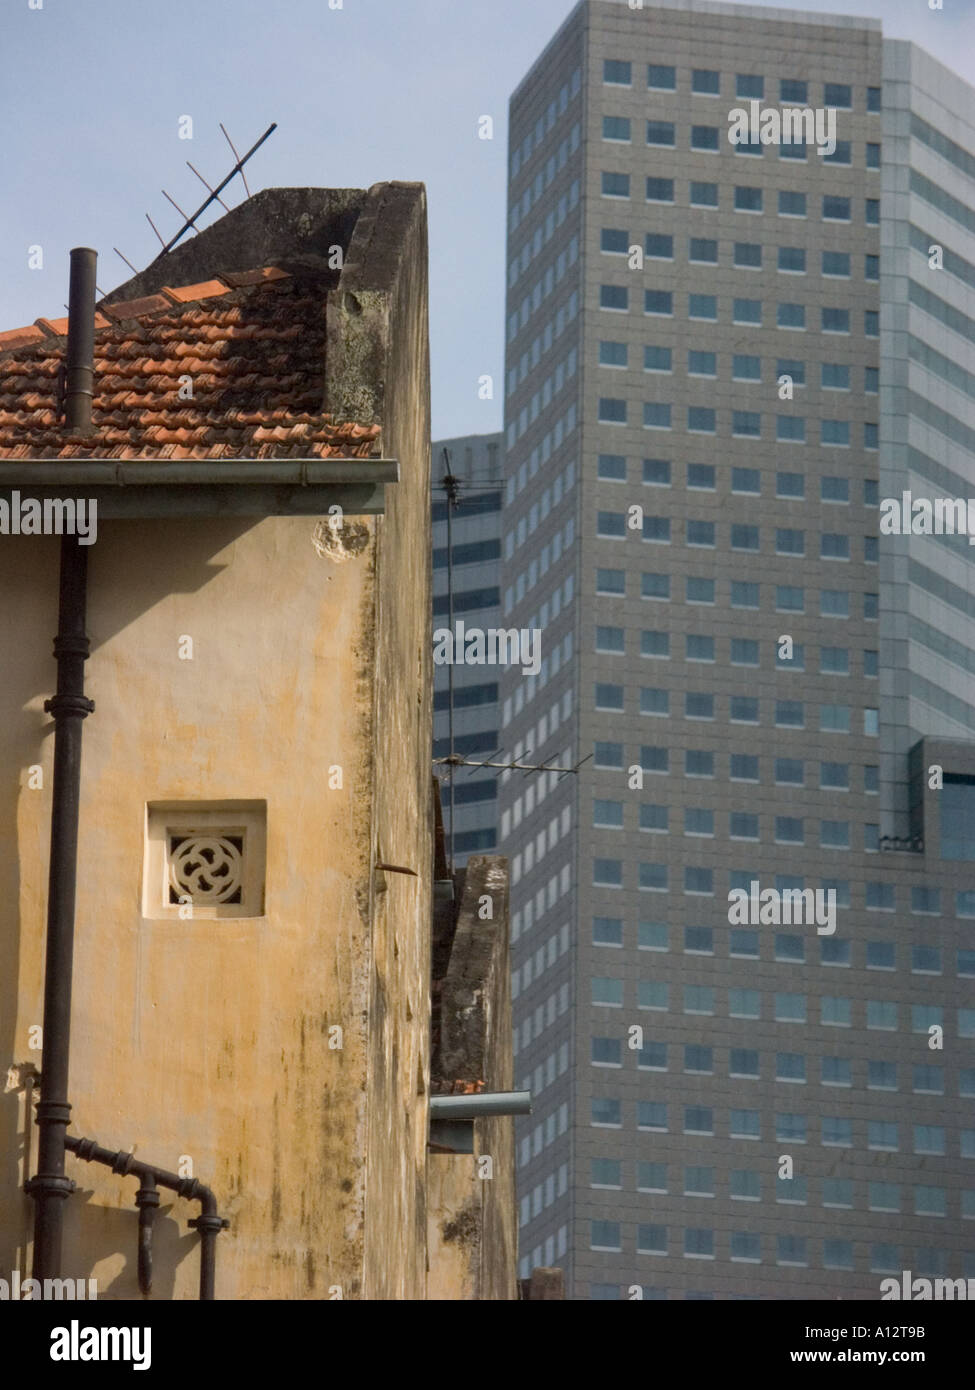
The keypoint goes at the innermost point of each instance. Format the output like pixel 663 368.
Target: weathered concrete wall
pixel 378 357
pixel 292 228
pixel 206 1038
pixel 472 1229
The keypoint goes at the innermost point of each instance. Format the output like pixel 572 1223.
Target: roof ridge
pixel 168 297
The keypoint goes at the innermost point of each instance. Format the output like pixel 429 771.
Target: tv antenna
pixel 191 220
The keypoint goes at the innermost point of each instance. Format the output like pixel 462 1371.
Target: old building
pixel 252 930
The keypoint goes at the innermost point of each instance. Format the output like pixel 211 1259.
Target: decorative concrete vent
pixel 204 859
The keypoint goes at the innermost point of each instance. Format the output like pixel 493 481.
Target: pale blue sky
pixel 91 92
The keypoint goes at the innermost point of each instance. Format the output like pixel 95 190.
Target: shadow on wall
pixel 106 1232
pixel 164 570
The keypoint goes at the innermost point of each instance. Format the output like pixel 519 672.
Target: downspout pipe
pixel 209 1223
pixel 49 1187
pixel 147 1200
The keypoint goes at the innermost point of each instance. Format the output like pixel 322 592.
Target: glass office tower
pixel 721 360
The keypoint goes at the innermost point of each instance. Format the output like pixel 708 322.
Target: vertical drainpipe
pixel 69 707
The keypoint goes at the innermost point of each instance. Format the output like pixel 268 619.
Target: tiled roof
pixel 455 1088
pixel 250 346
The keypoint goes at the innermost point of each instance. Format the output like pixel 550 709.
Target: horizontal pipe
pixel 209 1223
pixel 74 474
pixel 481 1106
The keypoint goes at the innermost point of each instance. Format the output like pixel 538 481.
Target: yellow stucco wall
pixel 205 1038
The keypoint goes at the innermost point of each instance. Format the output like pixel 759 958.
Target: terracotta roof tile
pixel 240 279
pixel 20 337
pixel 185 293
pixel 253 356
pixel 135 308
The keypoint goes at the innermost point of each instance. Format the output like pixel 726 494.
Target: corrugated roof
pixel 230 368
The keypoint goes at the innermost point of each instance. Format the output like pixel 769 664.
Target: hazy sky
pixel 91 92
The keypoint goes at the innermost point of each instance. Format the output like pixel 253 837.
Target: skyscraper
pixel 722 358
pixel 471 824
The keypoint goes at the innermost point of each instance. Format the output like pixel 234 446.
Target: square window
pixel 792 90
pixel 703 195
pixel 702 249
pixel 662 77
pixel 612 354
pixel 614 241
pixel 701 476
pixel 657 359
pixel 658 190
pixel 747 311
pixel 702 363
pixel 616 128
pixel 660 133
pixel 617 71
pixel 791 316
pixel 702 306
pixel 656 472
pixel 835 209
pixel 615 185
pixel 706 82
pixel 792 259
pixel 792 204
pixel 746 424
pixel 749 199
pixel 658 302
pixel 210 855
pixel 612 468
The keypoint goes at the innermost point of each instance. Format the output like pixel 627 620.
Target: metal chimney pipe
pixel 80 365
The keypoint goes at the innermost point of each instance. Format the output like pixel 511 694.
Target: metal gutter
pixel 180 488
pixel 308 472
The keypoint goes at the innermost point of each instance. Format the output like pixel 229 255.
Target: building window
pixel 617 71
pixel 616 128
pixel 662 77
pixel 661 133
pixel 705 137
pixel 838 94
pixel 658 190
pixel 703 195
pixel 605 1235
pixel 208 856
pixel 706 82
pixel 748 199
pixel 615 185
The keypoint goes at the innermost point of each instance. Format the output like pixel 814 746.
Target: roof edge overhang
pixel 140 488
